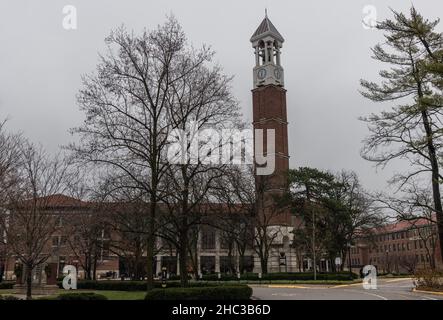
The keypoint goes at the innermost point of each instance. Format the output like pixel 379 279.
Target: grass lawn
pixel 6 291
pixel 111 295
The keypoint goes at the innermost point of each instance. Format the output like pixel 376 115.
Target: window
pixel 207 264
pixel 208 239
pixel 248 263
pixel 105 252
pixel 55 241
pixel 227 265
pixel 77 240
pixel 60 221
pixel 63 241
pixel 224 242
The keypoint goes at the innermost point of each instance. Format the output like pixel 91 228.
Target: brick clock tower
pixel 269 109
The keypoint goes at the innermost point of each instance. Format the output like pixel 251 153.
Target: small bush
pixel 303 276
pixel 6 285
pixel 204 293
pixel 118 285
pixel 81 296
pixel 429 279
pixel 8 298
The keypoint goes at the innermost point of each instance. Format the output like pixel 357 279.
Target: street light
pixel 349 258
pixel 387 262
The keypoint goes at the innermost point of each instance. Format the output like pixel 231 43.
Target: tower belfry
pixel 267 43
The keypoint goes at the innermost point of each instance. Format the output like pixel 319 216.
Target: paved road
pixel 387 289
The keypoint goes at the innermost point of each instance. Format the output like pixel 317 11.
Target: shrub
pixel 303 276
pixel 340 276
pixel 117 285
pixel 203 293
pixel 81 296
pixel 8 298
pixel 429 279
pixel 6 285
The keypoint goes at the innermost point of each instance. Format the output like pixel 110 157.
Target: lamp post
pixel 387 262
pixel 349 258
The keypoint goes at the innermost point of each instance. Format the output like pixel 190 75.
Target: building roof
pixel 60 201
pixel 403 225
pixel 266 28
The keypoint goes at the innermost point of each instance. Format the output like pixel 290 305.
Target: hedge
pixel 7 285
pixel 81 296
pixel 204 293
pixel 340 276
pixel 8 298
pixel 117 285
pixel 125 285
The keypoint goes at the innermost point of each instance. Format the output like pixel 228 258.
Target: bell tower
pixel 267 43
pixel 269 107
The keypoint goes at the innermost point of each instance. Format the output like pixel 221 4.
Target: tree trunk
pixel 183 236
pixel 264 265
pixel 183 258
pixel 151 244
pixel 28 283
pixel 94 271
pixel 435 177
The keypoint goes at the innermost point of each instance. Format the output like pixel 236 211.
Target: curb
pixel 428 292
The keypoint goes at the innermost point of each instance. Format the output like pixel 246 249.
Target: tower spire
pixel 266 12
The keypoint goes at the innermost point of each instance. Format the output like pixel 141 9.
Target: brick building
pixel 67 247
pixel 401 247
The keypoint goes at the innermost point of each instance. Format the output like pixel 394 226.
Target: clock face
pixel 277 73
pixel 261 74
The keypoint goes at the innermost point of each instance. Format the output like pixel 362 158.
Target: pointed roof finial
pixel 266 28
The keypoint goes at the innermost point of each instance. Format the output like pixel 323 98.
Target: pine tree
pixel 412 129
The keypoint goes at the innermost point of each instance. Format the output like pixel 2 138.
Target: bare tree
pixel 254 211
pixel 9 162
pixel 409 263
pixel 30 223
pixel 128 109
pixel 235 194
pixel 415 206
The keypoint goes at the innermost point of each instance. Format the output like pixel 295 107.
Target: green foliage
pixel 331 207
pixel 239 292
pixel 110 285
pixel 302 276
pixel 8 298
pixel 6 285
pixel 81 296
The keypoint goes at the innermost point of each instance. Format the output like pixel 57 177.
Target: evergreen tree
pixel 412 128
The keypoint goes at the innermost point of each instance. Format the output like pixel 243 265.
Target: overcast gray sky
pixel 325 54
